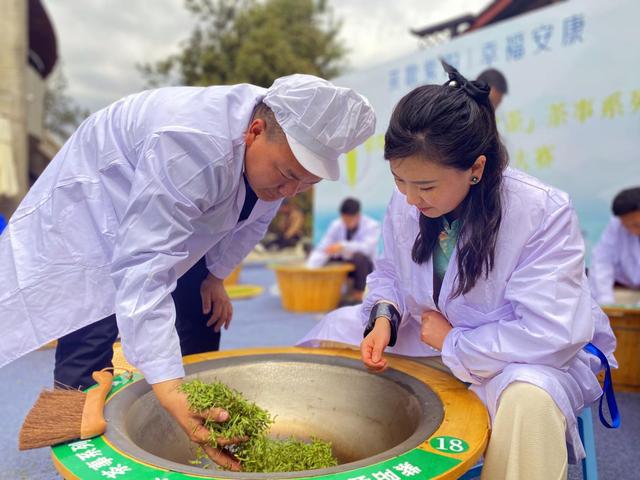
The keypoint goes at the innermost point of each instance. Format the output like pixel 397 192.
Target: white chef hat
pixel 321 121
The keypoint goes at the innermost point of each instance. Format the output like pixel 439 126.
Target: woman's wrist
pixel 389 312
pixel 382 322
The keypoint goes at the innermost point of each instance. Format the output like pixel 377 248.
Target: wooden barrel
pixel 305 289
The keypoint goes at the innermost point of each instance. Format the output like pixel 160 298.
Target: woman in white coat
pixel 616 257
pixel 144 189
pixel 484 266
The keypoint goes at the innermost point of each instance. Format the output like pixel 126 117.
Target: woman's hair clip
pixel 479 91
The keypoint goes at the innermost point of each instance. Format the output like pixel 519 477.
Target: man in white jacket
pixel 352 238
pixel 616 257
pixel 144 189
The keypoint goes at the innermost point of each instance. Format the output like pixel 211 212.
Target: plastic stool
pixel 585 427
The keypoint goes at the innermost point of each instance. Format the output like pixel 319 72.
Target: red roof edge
pixel 489 14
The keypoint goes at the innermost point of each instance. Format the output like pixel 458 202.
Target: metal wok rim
pixel 117 408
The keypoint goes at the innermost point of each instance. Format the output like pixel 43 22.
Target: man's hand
pixel 176 403
pixel 334 249
pixel 216 301
pixel 434 329
pixel 374 344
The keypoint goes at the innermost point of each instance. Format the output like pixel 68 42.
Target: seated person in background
pixel 352 238
pixel 616 257
pixel 289 225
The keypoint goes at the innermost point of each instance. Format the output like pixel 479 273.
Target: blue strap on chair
pixel 607 390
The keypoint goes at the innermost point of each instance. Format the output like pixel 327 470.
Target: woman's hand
pixel 176 403
pixel 215 300
pixel 434 329
pixel 374 344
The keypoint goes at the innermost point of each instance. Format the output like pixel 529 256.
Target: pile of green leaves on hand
pixel 248 421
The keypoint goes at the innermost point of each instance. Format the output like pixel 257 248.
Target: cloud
pixel 101 41
pixel 376 31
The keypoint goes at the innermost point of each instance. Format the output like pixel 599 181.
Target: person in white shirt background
pixel 352 238
pixel 616 257
pixel 142 191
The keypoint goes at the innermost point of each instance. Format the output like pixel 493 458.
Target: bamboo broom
pixel 62 415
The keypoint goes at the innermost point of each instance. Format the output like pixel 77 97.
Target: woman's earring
pixel 474 180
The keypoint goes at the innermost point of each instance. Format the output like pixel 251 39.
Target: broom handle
pixel 93 422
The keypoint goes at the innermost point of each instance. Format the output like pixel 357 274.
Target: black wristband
pixel 387 310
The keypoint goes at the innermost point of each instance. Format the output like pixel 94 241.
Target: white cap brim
pixel 320 167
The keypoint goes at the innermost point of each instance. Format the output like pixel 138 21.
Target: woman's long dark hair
pixel 453 125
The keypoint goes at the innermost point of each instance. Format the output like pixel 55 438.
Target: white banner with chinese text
pixel 571 117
